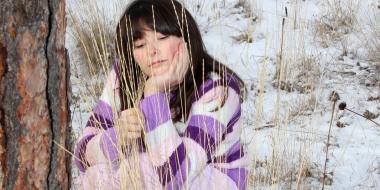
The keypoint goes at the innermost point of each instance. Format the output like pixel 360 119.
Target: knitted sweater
pixel 204 152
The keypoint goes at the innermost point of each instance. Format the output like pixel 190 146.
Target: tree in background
pixel 34 91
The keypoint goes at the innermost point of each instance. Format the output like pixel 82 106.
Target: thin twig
pixel 363 116
pixel 327 146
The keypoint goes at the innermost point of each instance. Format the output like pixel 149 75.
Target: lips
pixel 156 63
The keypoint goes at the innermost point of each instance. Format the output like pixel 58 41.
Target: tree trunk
pixel 34 91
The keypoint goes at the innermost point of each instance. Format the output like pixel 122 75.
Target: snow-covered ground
pixel 285 130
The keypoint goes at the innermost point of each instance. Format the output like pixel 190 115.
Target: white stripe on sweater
pixel 225 112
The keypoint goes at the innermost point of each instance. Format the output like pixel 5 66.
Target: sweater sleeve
pixel 100 124
pixel 179 159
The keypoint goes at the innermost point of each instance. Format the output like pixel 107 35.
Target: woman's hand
pixel 174 76
pixel 130 124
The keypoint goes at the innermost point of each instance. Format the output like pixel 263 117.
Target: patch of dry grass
pixel 288 165
pixel 249 8
pixel 306 73
pixel 337 19
pixel 94 37
pixel 373 45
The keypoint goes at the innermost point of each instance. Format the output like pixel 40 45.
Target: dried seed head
pixel 340 124
pixel 369 115
pixel 342 106
pixel 334 96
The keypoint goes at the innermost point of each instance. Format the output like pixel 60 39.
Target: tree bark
pixel 34 91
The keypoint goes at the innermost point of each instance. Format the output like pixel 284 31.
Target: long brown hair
pixel 167 17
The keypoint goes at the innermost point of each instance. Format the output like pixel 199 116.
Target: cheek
pixel 173 48
pixel 138 56
pixel 140 60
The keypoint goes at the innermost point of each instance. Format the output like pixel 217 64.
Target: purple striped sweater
pixel 202 153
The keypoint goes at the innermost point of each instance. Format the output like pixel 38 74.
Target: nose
pixel 153 49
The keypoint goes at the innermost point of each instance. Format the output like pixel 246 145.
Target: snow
pixel 304 119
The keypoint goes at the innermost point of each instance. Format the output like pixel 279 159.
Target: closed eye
pixel 139 46
pixel 163 37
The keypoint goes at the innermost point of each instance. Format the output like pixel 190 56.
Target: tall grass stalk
pixel 334 97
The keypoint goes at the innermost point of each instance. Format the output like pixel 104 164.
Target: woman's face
pixel 154 52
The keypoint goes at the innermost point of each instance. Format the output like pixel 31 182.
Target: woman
pixel 186 125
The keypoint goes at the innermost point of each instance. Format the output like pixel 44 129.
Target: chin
pixel 158 72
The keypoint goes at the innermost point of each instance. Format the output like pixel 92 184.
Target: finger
pixel 128 126
pixel 129 112
pixel 134 121
pixel 184 63
pixel 133 115
pixel 176 64
pixel 134 128
pixel 133 135
pixel 182 55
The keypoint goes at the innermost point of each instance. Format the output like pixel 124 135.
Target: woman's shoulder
pixel 217 85
pixel 218 95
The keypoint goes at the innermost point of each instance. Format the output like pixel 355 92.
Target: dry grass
pixel 94 36
pixel 288 165
pixel 369 36
pixel 244 36
pixel 374 49
pixel 373 42
pixel 249 8
pixel 91 58
pixel 296 68
pixel 337 20
pixel 305 74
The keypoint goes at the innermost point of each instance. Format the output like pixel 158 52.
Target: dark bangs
pixel 142 18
